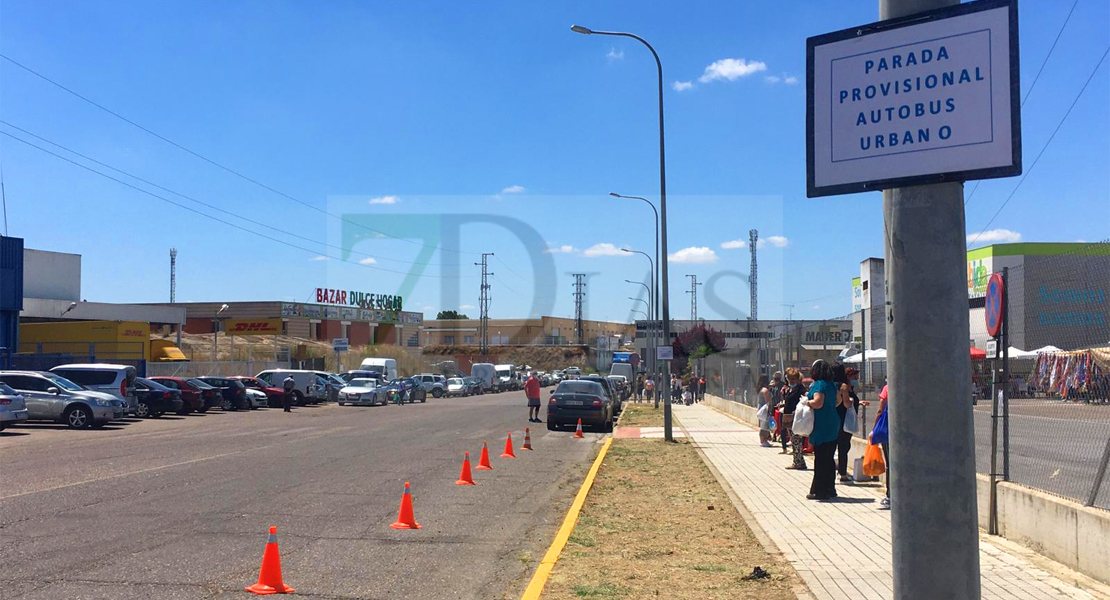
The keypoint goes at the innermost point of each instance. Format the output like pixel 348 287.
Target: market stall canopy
pixel 977 354
pixel 876 354
pixel 1046 350
pixel 1015 352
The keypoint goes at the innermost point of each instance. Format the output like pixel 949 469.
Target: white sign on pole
pixel 339 344
pixel 664 353
pixel 992 348
pixel 928 98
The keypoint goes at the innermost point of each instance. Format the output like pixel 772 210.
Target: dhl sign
pixel 253 326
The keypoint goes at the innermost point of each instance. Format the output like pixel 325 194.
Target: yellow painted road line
pixel 535 587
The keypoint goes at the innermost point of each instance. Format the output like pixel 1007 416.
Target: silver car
pixel 12 408
pixel 364 391
pixel 50 397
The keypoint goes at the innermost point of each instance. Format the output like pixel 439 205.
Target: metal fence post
pixel 1100 475
pixel 1006 374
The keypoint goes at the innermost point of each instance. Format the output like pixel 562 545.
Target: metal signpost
pixel 339 345
pixel 914 105
pixel 995 308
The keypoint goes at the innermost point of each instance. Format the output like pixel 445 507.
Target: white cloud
pixel 772 79
pixel 466 306
pixel 731 69
pixel 682 86
pixel 564 249
pixel 816 306
pixel 513 189
pixel 368 261
pixel 993 236
pixel 385 200
pixel 784 78
pixel 734 244
pixel 603 249
pixel 778 241
pixel 694 255
pixel 319 258
pixel 790 80
pixel 615 55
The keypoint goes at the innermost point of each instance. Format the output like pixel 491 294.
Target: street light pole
pixel 216 330
pixel 651 275
pixel 654 274
pixel 667 423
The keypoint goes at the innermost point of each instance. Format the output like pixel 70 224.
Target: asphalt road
pixel 180 507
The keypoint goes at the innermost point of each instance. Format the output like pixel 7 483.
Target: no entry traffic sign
pixel 996 295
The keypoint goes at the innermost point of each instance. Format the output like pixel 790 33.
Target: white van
pixel 485 374
pixel 387 367
pixel 625 370
pixel 310 387
pixel 507 378
pixel 115 380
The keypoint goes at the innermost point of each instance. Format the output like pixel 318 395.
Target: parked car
pixel 364 391
pixel 12 407
pixel 49 397
pixel 257 398
pixel 347 376
pixel 580 399
pixel 473 385
pixel 116 380
pixel 457 386
pixel 572 373
pixel 436 385
pixel 485 373
pixel 622 386
pixel 192 395
pixel 609 388
pixel 386 367
pixel 232 392
pixel 274 393
pixel 309 387
pixel 154 399
pixel 410 388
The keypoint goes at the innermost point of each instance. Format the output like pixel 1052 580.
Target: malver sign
pixel 923 99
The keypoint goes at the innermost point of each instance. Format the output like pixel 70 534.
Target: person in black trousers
pixel 845 396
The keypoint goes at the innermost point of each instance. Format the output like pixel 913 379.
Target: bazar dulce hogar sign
pixel 358 299
pixel 929 98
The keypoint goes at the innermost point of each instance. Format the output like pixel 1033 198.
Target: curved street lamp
pixel 667 417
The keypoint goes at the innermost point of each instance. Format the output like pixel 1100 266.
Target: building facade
pixel 542 331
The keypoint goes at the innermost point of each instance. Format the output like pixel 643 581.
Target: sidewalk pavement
pixel 818 538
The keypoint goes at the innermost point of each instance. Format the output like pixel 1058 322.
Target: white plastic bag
pixel 803 420
pixel 851 420
pixel 761 414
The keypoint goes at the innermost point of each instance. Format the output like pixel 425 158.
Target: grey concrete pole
pixel 934 520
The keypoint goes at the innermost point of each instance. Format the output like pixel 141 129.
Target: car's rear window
pixel 88 377
pixel 578 387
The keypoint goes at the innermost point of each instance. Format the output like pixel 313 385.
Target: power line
pixel 1029 91
pixel 212 206
pixel 206 215
pixel 483 306
pixel 213 162
pixel 1043 148
pixel 579 297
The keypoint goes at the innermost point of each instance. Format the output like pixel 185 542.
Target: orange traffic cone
pixel 405 518
pixel 269 577
pixel 527 440
pixel 483 460
pixel 465 478
pixel 578 430
pixel 508 453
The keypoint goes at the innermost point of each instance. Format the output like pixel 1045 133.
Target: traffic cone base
pixel 465 478
pixel 483 460
pixel 578 430
pixel 405 518
pixel 527 440
pixel 508 453
pixel 269 576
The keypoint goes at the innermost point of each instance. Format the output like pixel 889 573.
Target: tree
pixel 450 314
pixel 697 342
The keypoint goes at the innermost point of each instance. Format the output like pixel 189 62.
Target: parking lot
pixel 179 507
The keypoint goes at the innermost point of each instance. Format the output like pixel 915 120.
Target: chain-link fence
pixel 1049 396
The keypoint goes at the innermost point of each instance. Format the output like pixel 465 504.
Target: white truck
pixel 507 377
pixel 485 373
pixel 386 367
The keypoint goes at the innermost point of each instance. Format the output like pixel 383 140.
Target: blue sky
pixel 495 112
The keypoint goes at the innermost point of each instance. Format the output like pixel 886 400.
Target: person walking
pixel 676 389
pixel 791 395
pixel 845 397
pixel 822 400
pixel 701 388
pixel 763 401
pixel 639 388
pixel 776 403
pixel 532 391
pixel 287 393
pixel 649 389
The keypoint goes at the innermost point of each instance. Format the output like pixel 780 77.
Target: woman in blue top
pixel 826 429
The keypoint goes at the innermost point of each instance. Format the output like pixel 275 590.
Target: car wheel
pixel 551 425
pixel 424 398
pixel 78 417
pixel 298 398
pixel 98 424
pixel 142 410
pixel 184 411
pixel 436 392
pixel 202 409
pixel 157 413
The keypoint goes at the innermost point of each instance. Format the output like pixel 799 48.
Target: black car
pixel 580 399
pixel 473 385
pixel 410 389
pixel 153 399
pixel 233 392
pixel 608 386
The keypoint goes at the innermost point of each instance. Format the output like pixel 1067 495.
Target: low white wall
pixel 1067 532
